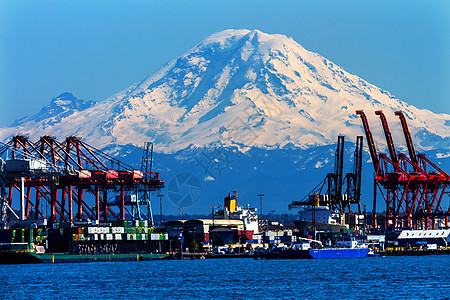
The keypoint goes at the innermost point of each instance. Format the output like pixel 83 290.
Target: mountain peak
pixel 242 89
pixel 60 107
pixel 230 37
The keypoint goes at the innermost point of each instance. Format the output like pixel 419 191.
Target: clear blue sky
pixel 97 49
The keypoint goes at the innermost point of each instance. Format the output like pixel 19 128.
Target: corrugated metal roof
pixel 424 234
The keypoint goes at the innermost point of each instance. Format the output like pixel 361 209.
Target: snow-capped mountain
pixel 60 107
pixel 236 88
pixel 242 110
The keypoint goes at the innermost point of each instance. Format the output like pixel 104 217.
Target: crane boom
pixel 409 142
pixel 335 179
pixel 387 133
pixel 370 142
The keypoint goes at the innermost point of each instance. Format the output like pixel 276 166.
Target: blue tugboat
pixel 338 252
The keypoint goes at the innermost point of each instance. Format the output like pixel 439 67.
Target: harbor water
pixel 425 277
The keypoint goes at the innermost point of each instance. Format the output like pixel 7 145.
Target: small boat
pixel 372 253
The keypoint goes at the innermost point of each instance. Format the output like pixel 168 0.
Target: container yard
pixel 77 203
pixel 88 203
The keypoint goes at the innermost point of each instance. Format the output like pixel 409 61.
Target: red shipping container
pixel 248 234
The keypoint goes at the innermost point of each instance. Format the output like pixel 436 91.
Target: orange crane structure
pixel 412 187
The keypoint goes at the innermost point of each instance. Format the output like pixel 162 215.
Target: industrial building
pixel 231 224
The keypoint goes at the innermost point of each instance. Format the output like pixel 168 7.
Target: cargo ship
pixel 318 253
pixel 319 218
pixel 69 242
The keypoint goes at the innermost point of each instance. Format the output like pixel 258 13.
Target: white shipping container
pixel 102 236
pixel 118 237
pixel 154 236
pixel 109 236
pixel 117 230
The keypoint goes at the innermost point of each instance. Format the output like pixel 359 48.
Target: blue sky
pixel 97 49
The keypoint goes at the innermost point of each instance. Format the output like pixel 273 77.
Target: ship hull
pixel 29 257
pixel 339 252
pixel 319 253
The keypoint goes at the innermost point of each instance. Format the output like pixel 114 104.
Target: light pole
pixel 364 218
pixel 260 211
pixel 212 227
pixel 160 210
pixel 180 208
pixel 212 213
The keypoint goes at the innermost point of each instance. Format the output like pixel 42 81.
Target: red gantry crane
pixel 412 187
pixel 59 175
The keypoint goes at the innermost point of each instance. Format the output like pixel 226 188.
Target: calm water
pixel 366 278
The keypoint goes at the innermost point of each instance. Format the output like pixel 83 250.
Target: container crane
pixel 333 197
pixel 413 197
pixel 335 179
pixel 354 179
pixel 48 172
